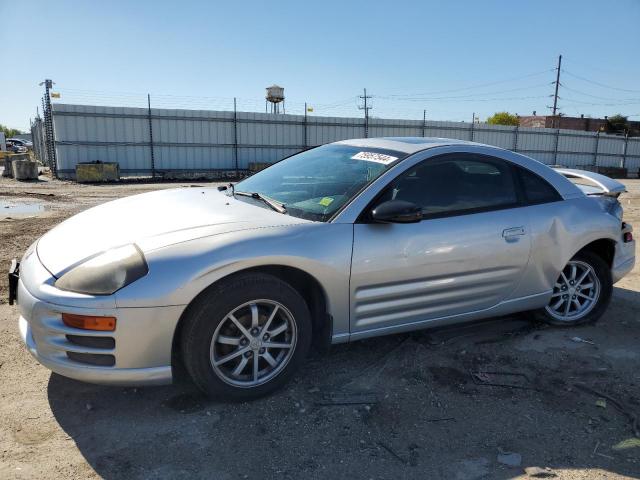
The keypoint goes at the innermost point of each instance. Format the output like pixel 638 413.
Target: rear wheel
pixel 581 293
pixel 246 336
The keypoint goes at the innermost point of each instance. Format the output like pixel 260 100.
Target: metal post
pixel 424 122
pixel 306 142
pixel 515 138
pixel 624 150
pixel 235 135
pixel 153 158
pixel 595 151
pixel 555 147
pixel 473 120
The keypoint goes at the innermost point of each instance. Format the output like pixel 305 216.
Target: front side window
pixel 456 184
pixel 316 183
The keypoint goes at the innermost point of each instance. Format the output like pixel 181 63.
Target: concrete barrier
pixel 8 160
pixel 8 170
pixel 613 172
pixel 91 172
pixel 24 170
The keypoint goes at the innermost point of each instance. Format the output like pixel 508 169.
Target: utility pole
pixel 557 82
pixel 366 109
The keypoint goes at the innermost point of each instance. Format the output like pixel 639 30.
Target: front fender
pixel 178 273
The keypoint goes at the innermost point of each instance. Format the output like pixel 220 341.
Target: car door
pixel 467 254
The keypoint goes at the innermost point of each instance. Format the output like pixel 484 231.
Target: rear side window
pixel 536 189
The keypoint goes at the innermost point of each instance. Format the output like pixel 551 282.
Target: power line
pixel 598 96
pixel 613 104
pixel 166 100
pixel 486 99
pixel 594 67
pixel 454 97
pixel 598 83
pixel 470 87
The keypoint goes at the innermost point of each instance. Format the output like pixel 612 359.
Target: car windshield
pixel 315 183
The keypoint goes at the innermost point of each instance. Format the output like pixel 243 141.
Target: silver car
pixel 349 240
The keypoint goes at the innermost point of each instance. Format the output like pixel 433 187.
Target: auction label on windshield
pixel 374 157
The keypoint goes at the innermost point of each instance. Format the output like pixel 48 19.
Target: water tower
pixel 275 96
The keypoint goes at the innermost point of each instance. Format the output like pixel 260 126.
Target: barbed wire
pixel 389 105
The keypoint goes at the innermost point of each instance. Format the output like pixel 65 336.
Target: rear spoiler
pixel 599 184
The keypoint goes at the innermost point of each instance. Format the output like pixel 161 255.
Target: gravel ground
pixel 417 411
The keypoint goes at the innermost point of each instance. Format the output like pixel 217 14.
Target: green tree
pixel 9 132
pixel 617 123
pixel 503 118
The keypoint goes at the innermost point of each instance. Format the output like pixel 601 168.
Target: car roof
pixel 407 145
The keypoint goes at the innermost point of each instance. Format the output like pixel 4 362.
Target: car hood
pixel 151 220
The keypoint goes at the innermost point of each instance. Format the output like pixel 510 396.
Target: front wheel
pixel 246 336
pixel 581 294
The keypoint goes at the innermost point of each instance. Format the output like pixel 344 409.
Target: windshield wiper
pixel 275 205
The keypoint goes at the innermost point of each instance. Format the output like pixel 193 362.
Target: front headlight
pixel 106 273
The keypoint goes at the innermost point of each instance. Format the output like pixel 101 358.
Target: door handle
pixel 513 232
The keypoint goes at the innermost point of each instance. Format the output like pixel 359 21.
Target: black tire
pixel 210 309
pixel 603 273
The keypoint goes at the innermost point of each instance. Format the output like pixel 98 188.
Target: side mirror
pixel 397 211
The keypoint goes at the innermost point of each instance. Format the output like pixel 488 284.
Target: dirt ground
pixel 403 406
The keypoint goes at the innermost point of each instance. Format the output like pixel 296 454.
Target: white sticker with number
pixel 374 157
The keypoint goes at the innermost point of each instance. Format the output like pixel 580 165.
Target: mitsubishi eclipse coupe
pixel 341 242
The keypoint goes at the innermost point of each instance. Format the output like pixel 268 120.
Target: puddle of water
pixel 10 208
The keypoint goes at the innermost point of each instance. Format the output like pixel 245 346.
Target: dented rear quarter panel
pixel 558 231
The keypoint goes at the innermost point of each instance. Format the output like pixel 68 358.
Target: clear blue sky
pixel 411 55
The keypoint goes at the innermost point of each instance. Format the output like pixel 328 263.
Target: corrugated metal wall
pixel 38 136
pixel 203 140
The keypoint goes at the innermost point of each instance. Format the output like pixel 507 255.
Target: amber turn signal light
pixel 86 322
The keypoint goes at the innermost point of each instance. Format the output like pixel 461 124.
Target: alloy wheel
pixel 253 343
pixel 575 293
